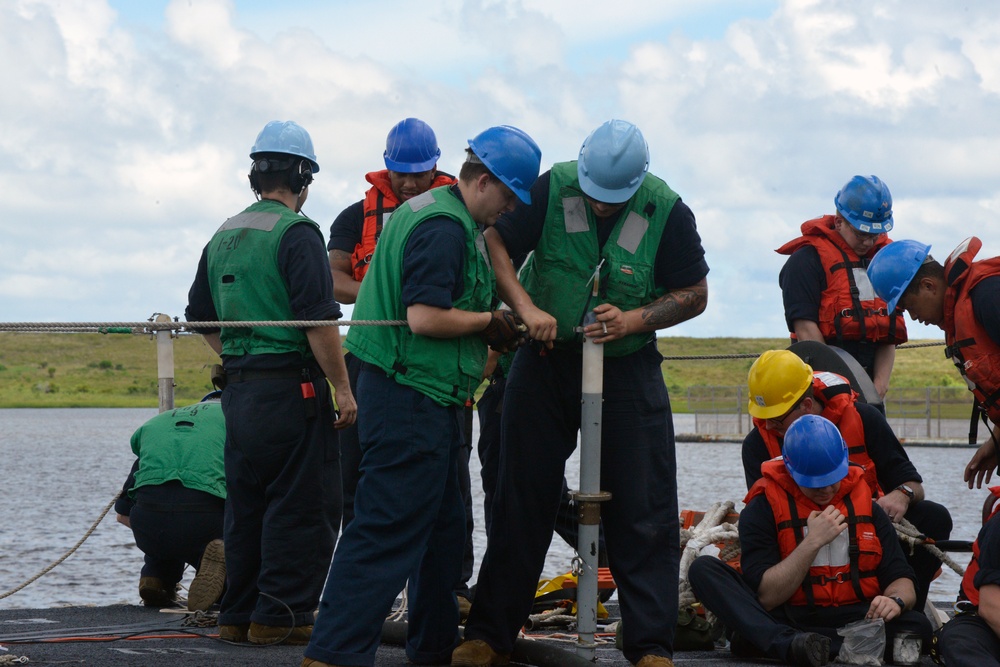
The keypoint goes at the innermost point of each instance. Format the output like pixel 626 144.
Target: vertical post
pixel 165 364
pixel 590 496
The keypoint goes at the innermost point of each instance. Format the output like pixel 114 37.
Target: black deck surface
pixel 97 636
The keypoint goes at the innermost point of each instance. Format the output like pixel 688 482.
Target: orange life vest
pixel 844 571
pixel 379 202
pixel 968 344
pixel 834 393
pixel 848 309
pixel 968 591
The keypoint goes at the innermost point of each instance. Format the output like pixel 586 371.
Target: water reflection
pixel 63 466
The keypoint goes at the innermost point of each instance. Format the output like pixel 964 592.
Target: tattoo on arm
pixel 676 306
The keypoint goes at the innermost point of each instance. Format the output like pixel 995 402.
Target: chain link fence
pixel 927 413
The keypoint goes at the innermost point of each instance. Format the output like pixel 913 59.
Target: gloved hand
pixel 505 332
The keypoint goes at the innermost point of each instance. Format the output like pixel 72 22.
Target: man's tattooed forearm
pixel 675 307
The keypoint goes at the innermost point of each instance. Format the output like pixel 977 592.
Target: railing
pixel 931 413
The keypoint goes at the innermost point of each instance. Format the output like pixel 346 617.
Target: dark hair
pixel 473 168
pixel 931 268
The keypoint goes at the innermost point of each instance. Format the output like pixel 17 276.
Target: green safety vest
pixel 557 274
pixel 186 445
pixel 247 284
pixel 448 370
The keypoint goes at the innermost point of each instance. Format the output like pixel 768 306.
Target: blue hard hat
pixel 893 267
pixel 510 155
pixel 288 137
pixel 866 203
pixel 411 147
pixel 613 162
pixel 814 452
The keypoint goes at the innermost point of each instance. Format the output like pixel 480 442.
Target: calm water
pixel 61 467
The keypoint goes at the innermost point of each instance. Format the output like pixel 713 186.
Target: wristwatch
pixel 898 600
pixel 906 490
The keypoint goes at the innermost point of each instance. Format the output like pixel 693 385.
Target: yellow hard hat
pixel 777 380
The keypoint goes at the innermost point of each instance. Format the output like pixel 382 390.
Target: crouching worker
pixel 817 554
pixel 174 500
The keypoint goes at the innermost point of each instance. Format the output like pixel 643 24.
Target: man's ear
pixel 482 182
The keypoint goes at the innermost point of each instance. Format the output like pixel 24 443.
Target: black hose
pixel 528 652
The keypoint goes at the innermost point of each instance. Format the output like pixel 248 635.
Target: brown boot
pixel 309 662
pixel 155 593
pixel 477 653
pixel 207 585
pixel 655 661
pixel 234 633
pixel 279 634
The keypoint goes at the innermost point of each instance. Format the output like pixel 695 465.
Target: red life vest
pixel 968 591
pixel 844 571
pixel 848 308
pixel 838 400
pixel 968 344
pixel 379 202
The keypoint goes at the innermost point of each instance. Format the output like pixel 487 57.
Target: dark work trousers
pixel 724 592
pixel 283 505
pixel 409 523
pixel 350 470
pixel 934 521
pixel 968 641
pixel 540 423
pixel 490 407
pixel 172 524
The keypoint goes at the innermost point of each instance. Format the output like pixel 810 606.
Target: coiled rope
pixel 68 553
pixel 712 529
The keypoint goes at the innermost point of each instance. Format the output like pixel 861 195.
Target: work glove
pixel 505 332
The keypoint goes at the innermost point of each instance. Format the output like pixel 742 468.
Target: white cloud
pixel 125 147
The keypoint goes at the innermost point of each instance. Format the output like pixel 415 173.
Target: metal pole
pixel 165 365
pixel 590 496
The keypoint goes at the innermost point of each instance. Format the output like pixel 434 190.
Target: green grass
pixel 95 370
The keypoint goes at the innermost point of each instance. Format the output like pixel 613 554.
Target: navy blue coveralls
pixel 409 519
pixel 540 424
pixel 282 457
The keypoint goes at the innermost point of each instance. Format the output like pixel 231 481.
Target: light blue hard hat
pixel 288 137
pixel 510 155
pixel 411 147
pixel 893 268
pixel 814 452
pixel 866 203
pixel 613 162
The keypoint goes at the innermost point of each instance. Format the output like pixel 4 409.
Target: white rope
pixel 909 534
pixel 710 530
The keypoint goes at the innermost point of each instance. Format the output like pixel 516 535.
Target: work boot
pixel 810 649
pixel 207 585
pixel 279 634
pixel 464 606
pixel 655 661
pixel 234 633
pixel 477 653
pixel 309 662
pixel 155 593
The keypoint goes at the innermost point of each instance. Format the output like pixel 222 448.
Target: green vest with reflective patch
pixel 448 370
pixel 186 445
pixel 557 274
pixel 247 284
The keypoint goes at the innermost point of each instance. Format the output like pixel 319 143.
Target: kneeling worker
pixel 817 554
pixel 174 500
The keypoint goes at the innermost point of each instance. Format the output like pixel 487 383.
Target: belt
pixel 273 374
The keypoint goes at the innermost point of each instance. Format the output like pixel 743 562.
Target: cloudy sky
pixel 125 126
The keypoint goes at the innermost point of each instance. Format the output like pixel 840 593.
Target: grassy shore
pixel 95 370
